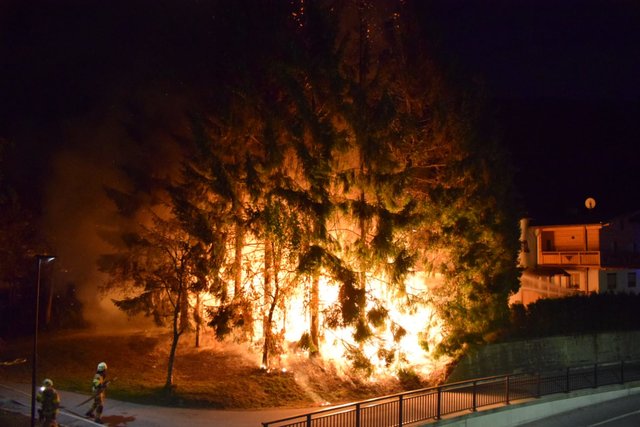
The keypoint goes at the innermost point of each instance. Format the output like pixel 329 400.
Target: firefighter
pixel 49 404
pixel 98 388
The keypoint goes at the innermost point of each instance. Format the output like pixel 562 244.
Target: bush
pixel 574 315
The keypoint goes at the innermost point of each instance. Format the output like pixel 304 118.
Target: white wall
pixel 622 280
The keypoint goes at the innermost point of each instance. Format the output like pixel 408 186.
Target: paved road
pixel 16 398
pixel 622 412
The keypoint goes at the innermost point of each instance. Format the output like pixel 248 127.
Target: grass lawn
pixel 214 376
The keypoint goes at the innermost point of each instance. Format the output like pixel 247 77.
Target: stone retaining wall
pixel 545 354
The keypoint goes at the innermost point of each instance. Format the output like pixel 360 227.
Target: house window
pixel 611 281
pixel 548 245
pixel 631 279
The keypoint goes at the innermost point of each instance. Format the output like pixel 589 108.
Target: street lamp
pixel 41 259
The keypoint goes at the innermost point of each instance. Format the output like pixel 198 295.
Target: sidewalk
pixel 17 398
pixel 533 410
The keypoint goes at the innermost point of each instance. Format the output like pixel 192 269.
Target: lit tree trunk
pixel 362 225
pixel 362 71
pixel 177 331
pixel 269 343
pixel 197 318
pixel 269 303
pixel 238 291
pixel 238 286
pixel 314 330
pixel 239 241
pixel 237 262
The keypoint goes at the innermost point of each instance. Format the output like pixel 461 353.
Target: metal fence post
pixel 357 415
pixel 507 390
pixel 568 385
pixel 400 400
pixel 308 420
pixel 538 385
pixel 475 393
pixel 439 403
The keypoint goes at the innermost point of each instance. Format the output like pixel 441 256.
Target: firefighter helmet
pixel 47 383
pixel 102 366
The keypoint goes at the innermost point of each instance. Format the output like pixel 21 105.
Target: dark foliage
pixel 573 316
pixel 225 318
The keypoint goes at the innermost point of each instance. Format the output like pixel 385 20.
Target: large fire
pixel 404 340
pixel 411 313
pixel 418 321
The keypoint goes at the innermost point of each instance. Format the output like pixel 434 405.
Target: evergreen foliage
pixel 157 269
pixel 346 160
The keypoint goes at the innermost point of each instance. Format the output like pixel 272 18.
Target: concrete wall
pixel 546 354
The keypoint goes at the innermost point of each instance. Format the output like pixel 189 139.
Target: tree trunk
pixel 268 303
pixel 314 316
pixel 174 344
pixel 198 319
pixel 237 262
pixel 362 225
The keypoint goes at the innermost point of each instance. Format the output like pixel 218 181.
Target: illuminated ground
pixel 214 376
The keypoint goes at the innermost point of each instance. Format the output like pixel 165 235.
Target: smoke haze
pixel 77 214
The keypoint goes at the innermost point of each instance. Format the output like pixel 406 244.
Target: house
pixel 565 259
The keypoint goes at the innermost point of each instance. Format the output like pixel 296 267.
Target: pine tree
pixel 248 138
pixel 206 221
pixel 461 177
pixel 156 268
pixel 347 138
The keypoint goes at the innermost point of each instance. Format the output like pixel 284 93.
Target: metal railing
pixel 435 402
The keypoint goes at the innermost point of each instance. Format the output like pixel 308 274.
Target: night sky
pixel 564 77
pixel 561 74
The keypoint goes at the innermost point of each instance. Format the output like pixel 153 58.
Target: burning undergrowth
pixel 215 375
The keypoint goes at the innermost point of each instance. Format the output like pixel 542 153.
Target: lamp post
pixel 34 363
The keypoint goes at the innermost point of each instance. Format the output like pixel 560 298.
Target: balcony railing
pixel 569 258
pixel 547 289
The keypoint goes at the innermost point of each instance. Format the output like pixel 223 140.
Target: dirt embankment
pixel 215 375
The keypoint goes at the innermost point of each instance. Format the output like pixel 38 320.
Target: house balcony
pixel 586 258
